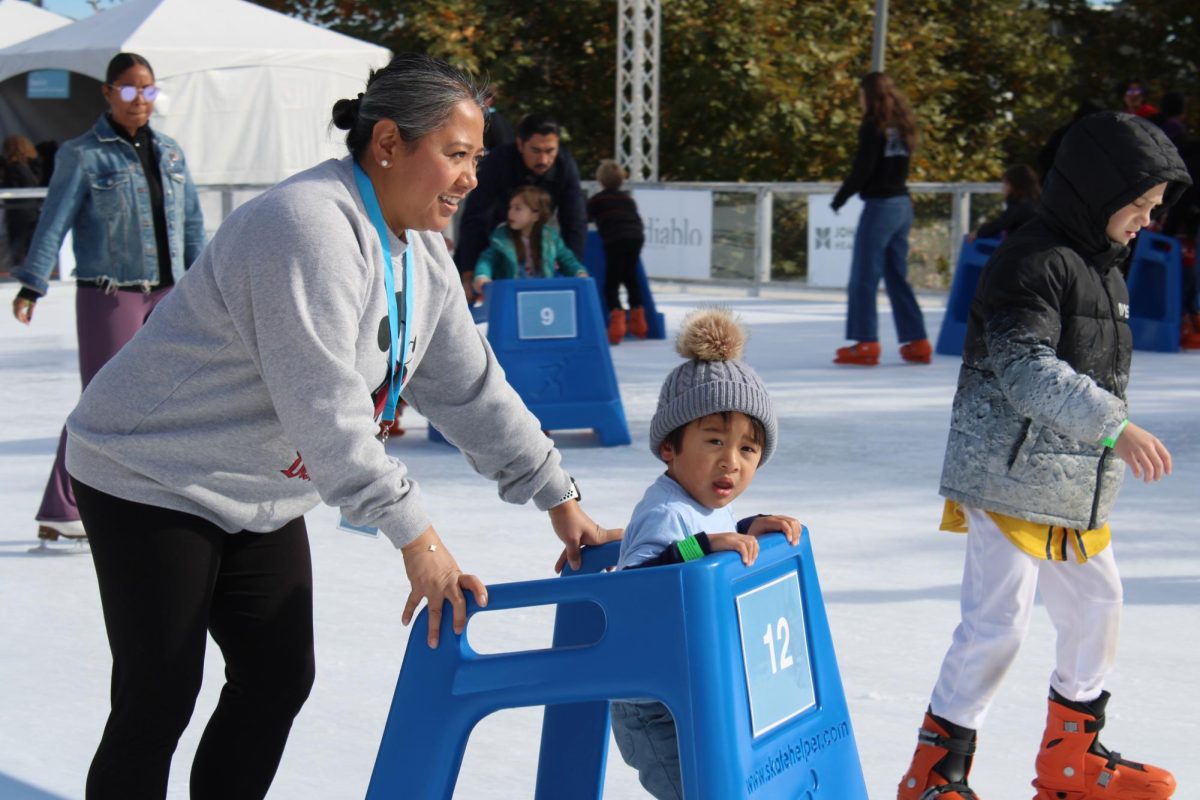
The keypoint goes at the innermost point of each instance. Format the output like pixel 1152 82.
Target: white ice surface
pixel 859 457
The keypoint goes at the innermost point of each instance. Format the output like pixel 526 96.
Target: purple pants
pixel 104 322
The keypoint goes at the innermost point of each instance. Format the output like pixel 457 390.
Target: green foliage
pixel 558 57
pixel 766 90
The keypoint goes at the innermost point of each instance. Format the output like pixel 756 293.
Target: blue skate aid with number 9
pixel 548 335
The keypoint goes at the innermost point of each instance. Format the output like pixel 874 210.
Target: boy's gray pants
pixel 646 737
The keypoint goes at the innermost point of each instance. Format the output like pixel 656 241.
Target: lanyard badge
pixel 398 353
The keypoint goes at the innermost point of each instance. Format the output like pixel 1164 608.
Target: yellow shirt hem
pixel 1047 542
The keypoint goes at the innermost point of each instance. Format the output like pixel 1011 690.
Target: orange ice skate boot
pixel 918 351
pixel 637 322
pixel 1073 765
pixel 616 326
pixel 941 763
pixel 864 353
pixel 1189 332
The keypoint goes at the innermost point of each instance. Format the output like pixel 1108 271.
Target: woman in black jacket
pixel 886 140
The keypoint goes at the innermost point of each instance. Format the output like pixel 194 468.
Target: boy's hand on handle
pixel 1143 452
pixel 746 546
pixel 434 575
pixel 479 283
pixel 769 523
pixel 575 528
pixel 23 309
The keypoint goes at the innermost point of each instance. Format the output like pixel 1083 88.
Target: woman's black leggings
pixel 167 580
pixel 620 267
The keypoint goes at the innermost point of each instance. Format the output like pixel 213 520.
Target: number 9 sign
pixel 775 652
pixel 546 315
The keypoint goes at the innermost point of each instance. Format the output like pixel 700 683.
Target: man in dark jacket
pixel 536 158
pixel 1038 433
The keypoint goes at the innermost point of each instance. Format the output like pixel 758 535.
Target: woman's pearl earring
pixel 385 163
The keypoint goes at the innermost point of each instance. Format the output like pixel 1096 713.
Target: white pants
pixel 998 588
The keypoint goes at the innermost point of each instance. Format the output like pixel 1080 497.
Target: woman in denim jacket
pixel 126 193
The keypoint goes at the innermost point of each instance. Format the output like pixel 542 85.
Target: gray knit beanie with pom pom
pixel 712 380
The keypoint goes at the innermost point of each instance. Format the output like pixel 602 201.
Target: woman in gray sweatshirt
pixel 255 392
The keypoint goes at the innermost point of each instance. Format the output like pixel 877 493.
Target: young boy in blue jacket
pixel 714 427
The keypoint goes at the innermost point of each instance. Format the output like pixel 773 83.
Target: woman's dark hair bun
pixel 345 113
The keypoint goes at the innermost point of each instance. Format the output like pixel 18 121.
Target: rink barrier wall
pixel 219 200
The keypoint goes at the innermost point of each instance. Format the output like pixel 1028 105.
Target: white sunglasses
pixel 128 93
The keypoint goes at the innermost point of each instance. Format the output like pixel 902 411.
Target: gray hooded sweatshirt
pixel 247 397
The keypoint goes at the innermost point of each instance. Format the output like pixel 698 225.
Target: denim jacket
pixel 99 190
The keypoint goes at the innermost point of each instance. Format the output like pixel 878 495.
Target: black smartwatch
pixel 573 493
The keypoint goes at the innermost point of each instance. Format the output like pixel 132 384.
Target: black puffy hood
pixel 1106 161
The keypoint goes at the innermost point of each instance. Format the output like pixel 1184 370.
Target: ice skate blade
pixel 73 547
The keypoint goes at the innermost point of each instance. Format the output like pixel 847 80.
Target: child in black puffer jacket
pixel 1039 439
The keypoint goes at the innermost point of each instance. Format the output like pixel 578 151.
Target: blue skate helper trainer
pixel 742 656
pixel 549 336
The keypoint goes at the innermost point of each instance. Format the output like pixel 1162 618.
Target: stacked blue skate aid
pixel 972 257
pixel 1156 293
pixel 597 267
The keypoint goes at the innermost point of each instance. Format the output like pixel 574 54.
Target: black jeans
pixel 620 267
pixel 167 579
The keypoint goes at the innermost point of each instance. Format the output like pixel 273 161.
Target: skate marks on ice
pixel 63 547
pixel 41 548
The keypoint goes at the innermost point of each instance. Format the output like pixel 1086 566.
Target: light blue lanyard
pixel 399 349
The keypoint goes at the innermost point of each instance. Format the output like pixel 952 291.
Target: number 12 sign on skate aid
pixel 775 653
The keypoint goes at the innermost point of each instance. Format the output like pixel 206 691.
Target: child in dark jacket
pixel 714 427
pixel 1038 433
pixel 623 234
pixel 1021 190
pixel 524 247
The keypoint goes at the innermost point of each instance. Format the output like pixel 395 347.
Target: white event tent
pixel 247 91
pixel 19 20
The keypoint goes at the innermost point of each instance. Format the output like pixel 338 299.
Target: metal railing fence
pixel 759 229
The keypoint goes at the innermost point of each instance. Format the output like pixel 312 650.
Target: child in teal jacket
pixel 524 247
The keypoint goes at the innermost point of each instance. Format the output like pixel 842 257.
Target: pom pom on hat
pixel 713 380
pixel 711 334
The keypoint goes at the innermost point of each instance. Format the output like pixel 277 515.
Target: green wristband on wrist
pixel 690 549
pixel 1111 441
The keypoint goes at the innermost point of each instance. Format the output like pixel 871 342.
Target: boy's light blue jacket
pixel 668 514
pixel 99 190
pixel 499 260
